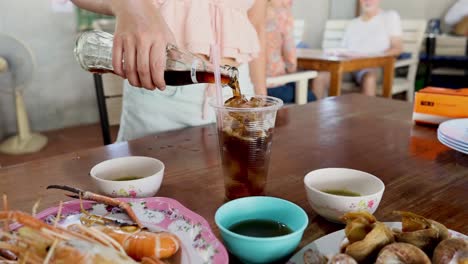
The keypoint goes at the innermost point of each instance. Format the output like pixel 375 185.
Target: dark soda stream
pixel 245 148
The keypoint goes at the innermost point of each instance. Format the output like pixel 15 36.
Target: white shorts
pixel 359 75
pixel 147 112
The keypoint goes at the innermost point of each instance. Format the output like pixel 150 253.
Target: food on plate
pixel 358 225
pixel 96 240
pixel 38 242
pixel 369 247
pixel 378 236
pixel 137 244
pixel 417 242
pixel 402 253
pixel 452 250
pixel 313 257
pixel 424 233
pixel 80 194
pixel 342 259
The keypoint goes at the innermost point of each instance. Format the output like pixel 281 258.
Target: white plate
pixel 330 244
pixel 439 133
pixel 452 142
pixel 456 129
pixel 452 145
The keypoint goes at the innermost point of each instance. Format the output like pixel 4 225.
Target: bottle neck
pixel 232 72
pixel 93 51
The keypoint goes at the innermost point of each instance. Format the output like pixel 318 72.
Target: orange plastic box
pixel 436 105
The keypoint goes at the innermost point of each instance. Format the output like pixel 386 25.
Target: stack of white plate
pixel 454 134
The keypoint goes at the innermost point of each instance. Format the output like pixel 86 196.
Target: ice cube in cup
pixel 245 133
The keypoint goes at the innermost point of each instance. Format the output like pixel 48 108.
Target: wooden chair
pixel 113 92
pixel 449 45
pixel 445 55
pixel 333 33
pixel 413 36
pixel 301 79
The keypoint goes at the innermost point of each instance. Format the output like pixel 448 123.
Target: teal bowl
pixel 261 249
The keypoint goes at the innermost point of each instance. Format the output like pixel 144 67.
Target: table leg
pixel 335 81
pixel 101 100
pixel 301 92
pixel 389 71
pixel 431 43
pixel 466 54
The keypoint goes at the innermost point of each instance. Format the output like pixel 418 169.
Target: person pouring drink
pixel 143 30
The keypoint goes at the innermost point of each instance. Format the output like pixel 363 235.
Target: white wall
pixel 422 9
pixel 342 9
pixel 315 13
pixel 417 9
pixel 408 8
pixel 425 9
pixel 438 8
pixel 61 94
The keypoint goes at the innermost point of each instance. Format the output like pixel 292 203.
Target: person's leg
pixel 369 83
pixel 320 84
pixel 311 96
pixel 367 80
pixel 285 92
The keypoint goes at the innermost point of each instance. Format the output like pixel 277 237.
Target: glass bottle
pixel 93 51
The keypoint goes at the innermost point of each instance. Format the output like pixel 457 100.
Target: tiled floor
pixel 62 141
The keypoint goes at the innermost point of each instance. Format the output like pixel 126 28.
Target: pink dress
pixel 281 50
pixel 197 24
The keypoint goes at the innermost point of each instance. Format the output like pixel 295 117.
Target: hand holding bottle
pixel 94 52
pixel 140 40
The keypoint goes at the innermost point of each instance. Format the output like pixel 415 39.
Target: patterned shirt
pixel 281 50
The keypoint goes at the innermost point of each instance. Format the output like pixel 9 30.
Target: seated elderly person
pixel 376 31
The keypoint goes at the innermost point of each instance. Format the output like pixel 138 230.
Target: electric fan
pixel 18 64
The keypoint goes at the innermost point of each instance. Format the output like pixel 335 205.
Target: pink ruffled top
pixel 197 24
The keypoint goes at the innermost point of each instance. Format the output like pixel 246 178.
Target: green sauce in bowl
pixel 128 178
pixel 342 192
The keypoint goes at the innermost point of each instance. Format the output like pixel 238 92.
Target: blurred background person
pixel 457 18
pixel 376 31
pixel 281 49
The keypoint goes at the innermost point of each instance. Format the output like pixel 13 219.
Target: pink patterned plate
pixel 199 244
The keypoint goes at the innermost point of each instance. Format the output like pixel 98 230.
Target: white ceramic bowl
pixel 332 207
pixel 106 173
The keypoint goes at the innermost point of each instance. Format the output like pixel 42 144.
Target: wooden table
pixel 317 60
pixel 375 135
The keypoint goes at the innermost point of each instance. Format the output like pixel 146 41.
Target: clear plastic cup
pixel 245 136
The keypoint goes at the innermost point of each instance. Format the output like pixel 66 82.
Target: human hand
pixel 140 40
